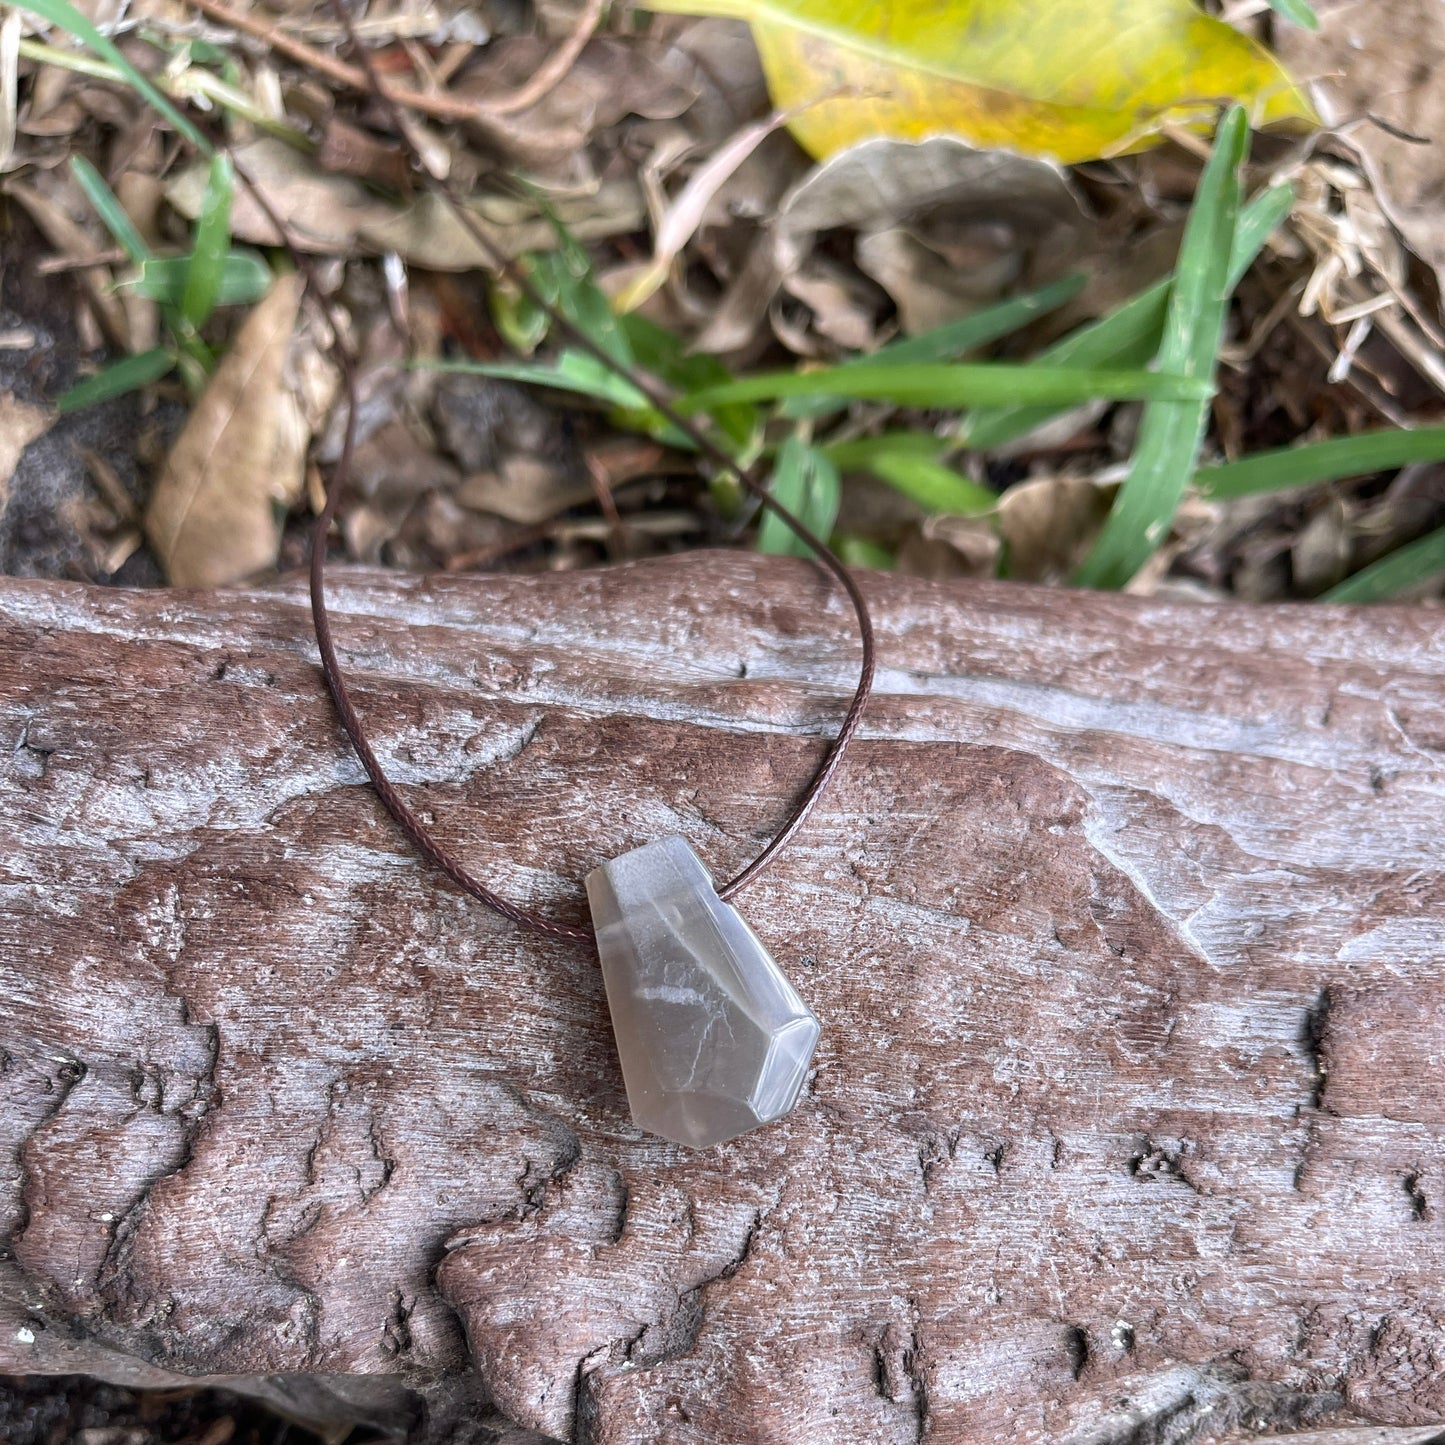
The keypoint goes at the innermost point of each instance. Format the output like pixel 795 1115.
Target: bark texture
pixel 1125 923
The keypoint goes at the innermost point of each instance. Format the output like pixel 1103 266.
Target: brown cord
pixel 405 818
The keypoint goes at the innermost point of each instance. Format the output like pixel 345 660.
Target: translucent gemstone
pixel 713 1038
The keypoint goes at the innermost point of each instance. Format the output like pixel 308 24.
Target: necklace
pixel 712 1037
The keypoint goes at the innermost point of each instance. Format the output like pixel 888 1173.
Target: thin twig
pixel 558 64
pixel 436 105
pixel 607 503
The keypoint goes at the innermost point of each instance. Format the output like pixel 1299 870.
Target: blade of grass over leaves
pixel 1128 335
pixel 935 486
pixel 910 463
pixel 958 338
pixel 863 552
pixel 206 269
pixel 858 454
pixel 662 354
pixel 936 385
pixel 1327 461
pixel 575 371
pixel 244 278
pixel 1257 223
pixel 954 339
pixel 1171 432
pixel 110 210
pixel 582 375
pixel 1406 567
pixel 807 484
pixel 130 374
pixel 69 19
pixel 564 277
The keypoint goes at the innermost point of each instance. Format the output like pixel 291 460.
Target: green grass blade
pixel 955 339
pixel 807 484
pixel 1391 575
pixel 110 210
pixel 245 278
pixel 958 338
pixel 585 306
pixel 206 268
pixel 582 375
pixel 1257 223
pixel 1171 432
pixel 574 372
pixel 1129 335
pixel 1297 12
pixel 1326 461
pixel 858 454
pixel 910 463
pixel 563 277
pixel 130 374
pixel 854 551
pixel 934 486
pixel 69 19
pixel 662 354
pixel 947 385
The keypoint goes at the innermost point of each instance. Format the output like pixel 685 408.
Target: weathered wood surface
pixel 1126 923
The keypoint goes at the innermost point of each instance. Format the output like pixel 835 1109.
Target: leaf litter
pixel 212 519
pixel 653 154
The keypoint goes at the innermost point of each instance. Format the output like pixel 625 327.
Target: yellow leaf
pixel 211 519
pixel 1069 79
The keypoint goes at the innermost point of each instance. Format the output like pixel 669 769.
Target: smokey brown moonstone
pixel 713 1038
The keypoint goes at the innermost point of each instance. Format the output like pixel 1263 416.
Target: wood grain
pixel 1125 922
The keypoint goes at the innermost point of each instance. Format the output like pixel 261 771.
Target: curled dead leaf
pixel 212 517
pixel 912 203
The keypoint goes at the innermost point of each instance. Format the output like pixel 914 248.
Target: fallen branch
pixel 1123 922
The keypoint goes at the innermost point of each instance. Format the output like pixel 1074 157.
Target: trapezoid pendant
pixel 713 1038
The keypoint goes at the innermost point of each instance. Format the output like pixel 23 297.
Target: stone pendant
pixel 713 1038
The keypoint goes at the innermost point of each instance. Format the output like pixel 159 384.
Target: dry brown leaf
pixel 324 212
pixel 926 289
pixel 20 424
pixel 939 188
pixel 744 304
pixel 1320 554
pixel 1041 528
pixel 845 307
pixel 211 519
pixel 881 183
pixel 1048 525
pixel 428 234
pixel 611 79
pixel 947 547
pixel 1385 59
pixel 336 215
pixel 524 489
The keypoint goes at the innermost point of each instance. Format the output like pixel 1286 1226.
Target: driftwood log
pixel 1125 921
